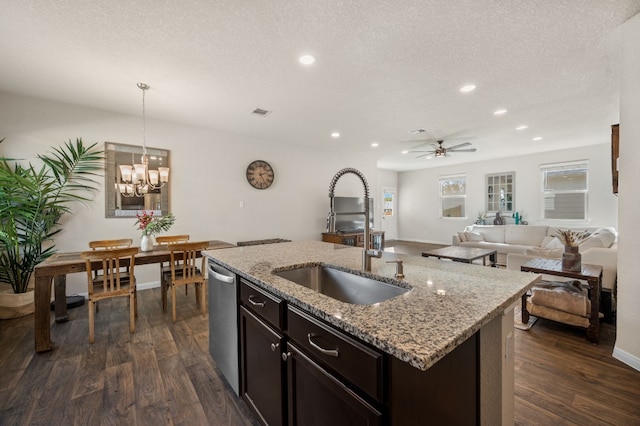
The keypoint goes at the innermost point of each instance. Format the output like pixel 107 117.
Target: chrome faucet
pixel 368 251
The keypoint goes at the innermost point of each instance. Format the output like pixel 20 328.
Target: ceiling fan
pixel 441 151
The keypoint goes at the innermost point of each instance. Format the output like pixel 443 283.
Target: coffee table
pixel 592 274
pixel 463 254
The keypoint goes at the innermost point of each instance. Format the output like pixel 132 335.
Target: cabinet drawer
pixel 266 305
pixel 360 365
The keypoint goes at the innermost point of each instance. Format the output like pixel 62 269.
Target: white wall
pixel 419 203
pixel 627 346
pixel 207 177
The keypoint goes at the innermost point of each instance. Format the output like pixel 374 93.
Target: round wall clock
pixel 260 174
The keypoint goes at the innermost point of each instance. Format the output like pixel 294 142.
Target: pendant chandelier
pixel 138 179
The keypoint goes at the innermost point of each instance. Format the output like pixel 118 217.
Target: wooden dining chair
pixel 187 268
pixel 165 269
pixel 110 263
pixel 110 245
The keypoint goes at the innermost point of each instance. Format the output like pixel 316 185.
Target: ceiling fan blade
pixel 462 150
pixel 424 155
pixel 460 145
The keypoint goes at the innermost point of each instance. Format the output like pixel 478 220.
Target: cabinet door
pixel 262 369
pixel 316 398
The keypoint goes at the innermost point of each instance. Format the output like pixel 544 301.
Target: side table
pixel 590 273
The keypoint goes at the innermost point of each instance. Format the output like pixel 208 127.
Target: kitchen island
pixel 449 307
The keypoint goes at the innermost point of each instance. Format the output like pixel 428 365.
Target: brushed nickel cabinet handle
pixel 274 346
pixel 330 352
pixel 254 303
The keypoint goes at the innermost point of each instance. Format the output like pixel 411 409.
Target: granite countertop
pixel 447 304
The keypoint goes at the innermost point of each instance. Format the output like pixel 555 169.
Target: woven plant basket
pixel 15 305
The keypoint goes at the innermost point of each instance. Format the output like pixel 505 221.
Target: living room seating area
pixel 518 244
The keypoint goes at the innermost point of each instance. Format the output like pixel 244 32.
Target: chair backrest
pixel 172 239
pixel 110 262
pixel 110 244
pixel 188 254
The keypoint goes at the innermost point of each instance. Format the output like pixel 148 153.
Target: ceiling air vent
pixel 260 112
pixel 417 131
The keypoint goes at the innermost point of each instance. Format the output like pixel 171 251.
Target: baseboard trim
pixel 631 360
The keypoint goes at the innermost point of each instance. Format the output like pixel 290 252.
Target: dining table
pixel 56 268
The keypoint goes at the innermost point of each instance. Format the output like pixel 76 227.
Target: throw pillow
pixel 462 237
pixel 554 244
pixel 546 240
pixel 473 236
pixel 544 252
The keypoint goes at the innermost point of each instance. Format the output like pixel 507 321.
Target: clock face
pixel 260 174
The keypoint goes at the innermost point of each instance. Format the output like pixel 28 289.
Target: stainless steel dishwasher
pixel 223 323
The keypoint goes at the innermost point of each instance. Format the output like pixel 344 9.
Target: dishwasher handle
pixel 218 276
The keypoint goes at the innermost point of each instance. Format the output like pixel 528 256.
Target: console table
pixel 592 274
pixel 354 239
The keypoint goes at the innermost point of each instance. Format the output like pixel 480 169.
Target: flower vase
pixel 571 259
pixel 146 244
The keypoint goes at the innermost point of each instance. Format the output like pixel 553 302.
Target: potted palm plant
pixel 32 202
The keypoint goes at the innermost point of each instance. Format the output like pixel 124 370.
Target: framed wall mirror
pixel 501 192
pixel 123 197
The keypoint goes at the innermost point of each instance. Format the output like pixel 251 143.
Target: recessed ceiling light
pixel 499 112
pixel 537 138
pixel 521 127
pixel 375 144
pixel 335 135
pixel 307 59
pixel 468 88
pixel 417 131
pixel 405 152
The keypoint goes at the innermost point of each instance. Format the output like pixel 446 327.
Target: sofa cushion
pixel 492 234
pixel 524 235
pixel 544 252
pixel 473 237
pixel 462 237
pixel 553 244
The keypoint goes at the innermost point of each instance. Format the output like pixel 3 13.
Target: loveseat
pixel 517 244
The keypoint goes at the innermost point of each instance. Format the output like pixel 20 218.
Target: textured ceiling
pixel 383 68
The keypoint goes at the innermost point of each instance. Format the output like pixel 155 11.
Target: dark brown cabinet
pixel 261 343
pixel 263 385
pixel 317 398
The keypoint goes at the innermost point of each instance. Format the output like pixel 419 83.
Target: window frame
pixel 442 197
pixel 544 192
pixel 494 188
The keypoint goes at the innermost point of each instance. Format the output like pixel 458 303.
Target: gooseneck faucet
pixel 368 251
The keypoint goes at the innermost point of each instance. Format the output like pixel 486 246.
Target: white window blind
pixel 564 190
pixel 453 195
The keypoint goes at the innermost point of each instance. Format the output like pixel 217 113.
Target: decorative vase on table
pixel 146 243
pixel 571 259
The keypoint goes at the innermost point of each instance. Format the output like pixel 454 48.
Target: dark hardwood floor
pixel 163 374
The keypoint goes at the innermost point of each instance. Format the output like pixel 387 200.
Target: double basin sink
pixel 342 285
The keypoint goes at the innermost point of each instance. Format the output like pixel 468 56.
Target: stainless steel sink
pixel 341 285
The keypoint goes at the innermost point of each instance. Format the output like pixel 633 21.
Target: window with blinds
pixel 564 190
pixel 453 195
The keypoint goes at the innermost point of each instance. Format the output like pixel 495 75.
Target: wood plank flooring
pixel 163 374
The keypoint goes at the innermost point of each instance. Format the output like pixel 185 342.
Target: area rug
pixel 517 319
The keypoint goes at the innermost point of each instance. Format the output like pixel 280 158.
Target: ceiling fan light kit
pixel 440 150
